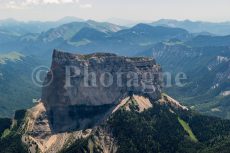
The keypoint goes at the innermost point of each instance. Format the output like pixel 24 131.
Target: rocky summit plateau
pixel 93 85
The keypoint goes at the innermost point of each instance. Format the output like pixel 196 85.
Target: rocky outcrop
pixel 80 90
pixel 135 103
pixel 39 137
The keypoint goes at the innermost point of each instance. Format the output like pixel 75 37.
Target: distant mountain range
pixel 222 28
pixel 18 28
pixel 78 36
pixel 201 55
pixel 196 27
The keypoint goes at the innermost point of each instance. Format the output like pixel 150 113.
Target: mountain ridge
pixel 221 28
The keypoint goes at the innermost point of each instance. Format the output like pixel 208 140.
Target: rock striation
pixel 80 90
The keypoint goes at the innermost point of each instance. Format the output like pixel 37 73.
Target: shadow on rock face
pixel 77 117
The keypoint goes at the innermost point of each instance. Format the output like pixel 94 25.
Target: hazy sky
pixel 150 10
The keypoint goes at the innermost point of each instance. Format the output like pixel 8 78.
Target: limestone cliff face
pixel 84 88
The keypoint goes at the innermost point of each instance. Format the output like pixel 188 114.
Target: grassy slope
pixel 187 129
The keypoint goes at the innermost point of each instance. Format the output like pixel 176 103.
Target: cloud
pixel 10 5
pixel 86 6
pixel 37 2
pixel 59 1
pixel 16 4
